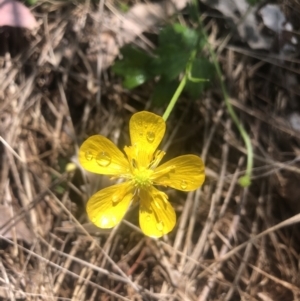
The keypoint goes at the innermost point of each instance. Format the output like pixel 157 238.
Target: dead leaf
pixel 16 14
pixel 68 227
pixel 20 228
pixel 243 15
pixel 273 17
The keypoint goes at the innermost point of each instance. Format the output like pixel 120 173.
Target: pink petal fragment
pixel 15 14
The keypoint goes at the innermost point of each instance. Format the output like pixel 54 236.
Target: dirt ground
pixel 230 243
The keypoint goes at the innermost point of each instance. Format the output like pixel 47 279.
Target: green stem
pixel 246 179
pixel 186 77
pixel 175 97
pixel 180 87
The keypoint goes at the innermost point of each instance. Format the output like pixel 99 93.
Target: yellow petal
pixel 98 154
pixel 157 216
pixel 146 132
pixel 108 206
pixel 184 173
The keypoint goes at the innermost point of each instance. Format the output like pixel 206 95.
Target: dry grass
pixel 230 243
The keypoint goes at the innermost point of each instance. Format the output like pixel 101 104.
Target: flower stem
pixel 185 78
pixel 175 97
pixel 246 179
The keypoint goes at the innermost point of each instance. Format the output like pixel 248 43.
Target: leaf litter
pixel 230 243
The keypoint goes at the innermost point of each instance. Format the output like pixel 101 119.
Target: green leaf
pixel 176 43
pixel 253 2
pixel 134 67
pixel 178 35
pixel 31 2
pixel 123 6
pixel 135 78
pixel 202 68
pixel 163 92
pixel 193 12
pixel 170 66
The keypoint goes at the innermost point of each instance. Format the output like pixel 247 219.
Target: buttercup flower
pixel 140 172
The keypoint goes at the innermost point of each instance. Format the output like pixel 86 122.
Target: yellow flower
pixel 140 171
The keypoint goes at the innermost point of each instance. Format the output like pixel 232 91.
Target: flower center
pixel 142 177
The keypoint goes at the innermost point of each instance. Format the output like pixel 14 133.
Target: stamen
pixel 158 155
